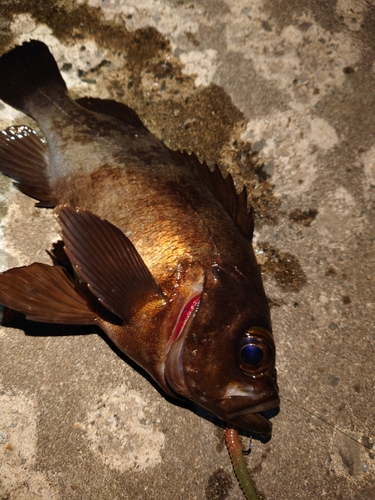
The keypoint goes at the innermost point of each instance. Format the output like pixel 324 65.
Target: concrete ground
pixel 280 93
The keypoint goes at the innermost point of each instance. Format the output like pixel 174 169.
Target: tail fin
pixel 26 69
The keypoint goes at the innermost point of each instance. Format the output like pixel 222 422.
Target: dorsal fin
pixel 24 158
pixel 112 108
pixel 224 190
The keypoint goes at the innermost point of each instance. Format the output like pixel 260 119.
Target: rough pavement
pixel 281 94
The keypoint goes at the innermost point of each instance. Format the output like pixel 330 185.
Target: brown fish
pixel 160 245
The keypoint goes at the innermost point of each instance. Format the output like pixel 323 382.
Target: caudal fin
pixel 25 70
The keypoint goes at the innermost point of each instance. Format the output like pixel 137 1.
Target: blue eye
pixel 256 351
pixel 251 354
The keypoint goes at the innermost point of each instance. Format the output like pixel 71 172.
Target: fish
pixel 159 245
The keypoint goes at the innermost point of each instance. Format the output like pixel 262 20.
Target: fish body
pixel 160 245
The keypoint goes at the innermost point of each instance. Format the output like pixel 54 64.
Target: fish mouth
pixel 262 407
pixel 256 418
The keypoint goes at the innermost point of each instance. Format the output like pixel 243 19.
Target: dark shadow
pixel 18 321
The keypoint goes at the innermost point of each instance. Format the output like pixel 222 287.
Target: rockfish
pixel 159 244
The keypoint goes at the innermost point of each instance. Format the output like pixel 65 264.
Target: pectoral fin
pixel 46 294
pixel 107 261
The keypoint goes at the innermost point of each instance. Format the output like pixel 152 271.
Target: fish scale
pixel 160 245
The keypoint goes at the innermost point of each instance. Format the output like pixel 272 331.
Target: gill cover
pixel 225 360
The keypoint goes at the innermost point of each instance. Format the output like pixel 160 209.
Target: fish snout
pixel 256 418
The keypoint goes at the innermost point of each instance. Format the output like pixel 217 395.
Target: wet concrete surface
pixel 281 94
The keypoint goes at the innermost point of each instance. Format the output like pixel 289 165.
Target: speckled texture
pixel 280 93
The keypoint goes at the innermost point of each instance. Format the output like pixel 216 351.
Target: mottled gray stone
pixel 298 78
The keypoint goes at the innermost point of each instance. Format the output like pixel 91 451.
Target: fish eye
pixel 251 354
pixel 256 351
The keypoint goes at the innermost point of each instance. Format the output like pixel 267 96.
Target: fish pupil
pixel 251 354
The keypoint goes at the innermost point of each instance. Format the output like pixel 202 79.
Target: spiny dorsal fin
pixel 107 261
pixel 111 108
pixel 224 190
pixel 24 158
pixel 46 294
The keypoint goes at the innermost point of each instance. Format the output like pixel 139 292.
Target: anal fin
pixel 46 294
pixel 108 262
pixel 24 158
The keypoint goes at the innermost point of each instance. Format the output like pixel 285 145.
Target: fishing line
pixel 325 421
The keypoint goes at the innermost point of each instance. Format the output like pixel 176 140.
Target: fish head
pixel 224 358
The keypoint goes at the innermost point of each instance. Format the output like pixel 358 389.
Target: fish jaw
pixel 256 421
pixel 203 364
pixel 239 413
